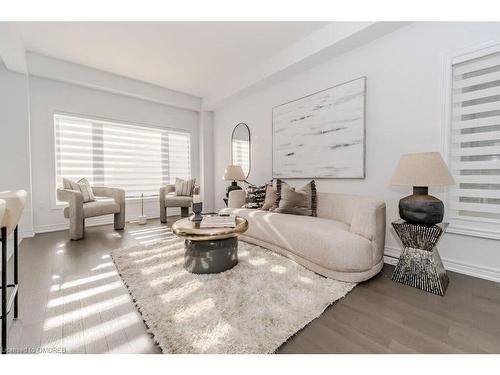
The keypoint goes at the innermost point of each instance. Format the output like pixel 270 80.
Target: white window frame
pixel 58 205
pixel 477 227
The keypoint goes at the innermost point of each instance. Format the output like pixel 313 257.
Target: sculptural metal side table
pixel 420 265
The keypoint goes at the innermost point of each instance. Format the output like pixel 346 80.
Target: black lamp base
pixel 421 208
pixel 230 188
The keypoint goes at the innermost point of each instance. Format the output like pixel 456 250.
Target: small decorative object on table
pixel 197 208
pixel 142 219
pixel 216 221
pixel 420 265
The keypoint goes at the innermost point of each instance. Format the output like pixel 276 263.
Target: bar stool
pixel 11 208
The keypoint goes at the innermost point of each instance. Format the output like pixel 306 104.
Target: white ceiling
pixel 191 57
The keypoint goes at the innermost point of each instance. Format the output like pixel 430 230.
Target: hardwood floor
pixel 72 298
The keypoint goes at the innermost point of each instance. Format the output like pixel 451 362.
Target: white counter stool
pixel 11 208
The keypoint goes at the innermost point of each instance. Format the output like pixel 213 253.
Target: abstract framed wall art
pixel 321 135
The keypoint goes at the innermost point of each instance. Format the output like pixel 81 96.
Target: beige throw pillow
pixel 297 202
pixel 271 197
pixel 184 187
pixel 70 185
pixel 83 186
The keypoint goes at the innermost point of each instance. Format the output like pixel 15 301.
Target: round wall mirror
pixel 240 144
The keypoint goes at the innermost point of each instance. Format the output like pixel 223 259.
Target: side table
pixel 420 265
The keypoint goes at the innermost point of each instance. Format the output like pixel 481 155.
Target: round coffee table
pixel 209 250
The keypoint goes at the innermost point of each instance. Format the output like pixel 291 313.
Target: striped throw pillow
pixel 184 187
pixel 86 189
pixel 83 186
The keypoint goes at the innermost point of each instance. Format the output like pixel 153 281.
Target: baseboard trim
pixel 391 255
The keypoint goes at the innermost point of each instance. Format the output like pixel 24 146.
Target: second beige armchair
pixel 168 198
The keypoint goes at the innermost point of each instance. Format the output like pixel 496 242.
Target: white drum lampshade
pixel 234 173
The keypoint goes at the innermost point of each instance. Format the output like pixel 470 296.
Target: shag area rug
pixel 252 308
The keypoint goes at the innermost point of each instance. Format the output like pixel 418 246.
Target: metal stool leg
pixel 4 290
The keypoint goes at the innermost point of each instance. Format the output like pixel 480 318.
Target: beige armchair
pixel 108 201
pixel 169 199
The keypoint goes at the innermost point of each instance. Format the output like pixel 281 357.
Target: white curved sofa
pixel 344 242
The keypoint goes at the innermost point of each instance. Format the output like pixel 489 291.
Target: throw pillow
pixel 70 185
pixel 279 184
pixel 83 186
pixel 255 196
pixel 270 198
pixel 297 202
pixel 184 187
pixel 86 189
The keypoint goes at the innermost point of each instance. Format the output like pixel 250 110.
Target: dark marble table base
pixel 211 256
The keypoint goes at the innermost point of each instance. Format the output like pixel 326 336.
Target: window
pixel 475 140
pixel 138 159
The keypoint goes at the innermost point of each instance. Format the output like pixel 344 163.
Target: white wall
pixel 206 180
pixel 48 97
pixel 404 73
pixel 15 140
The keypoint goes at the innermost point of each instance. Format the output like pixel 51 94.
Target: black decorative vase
pixel 421 208
pixel 230 188
pixel 197 208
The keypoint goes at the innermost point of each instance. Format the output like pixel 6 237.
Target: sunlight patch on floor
pixel 84 280
pixel 84 294
pixel 162 266
pixel 190 312
pixel 96 308
pixel 183 291
pixel 257 261
pixel 97 332
pixel 167 278
pixel 278 269
pixel 103 265
pixel 213 337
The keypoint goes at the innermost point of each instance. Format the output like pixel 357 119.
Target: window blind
pixel 475 139
pixel 138 159
pixel 241 154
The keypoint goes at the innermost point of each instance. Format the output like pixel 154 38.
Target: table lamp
pixel 234 173
pixel 422 170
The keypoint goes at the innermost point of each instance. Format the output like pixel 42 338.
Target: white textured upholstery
pixel 14 202
pixel 101 206
pixel 172 200
pixel 345 242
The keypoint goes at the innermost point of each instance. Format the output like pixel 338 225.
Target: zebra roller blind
pixel 138 159
pixel 475 139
